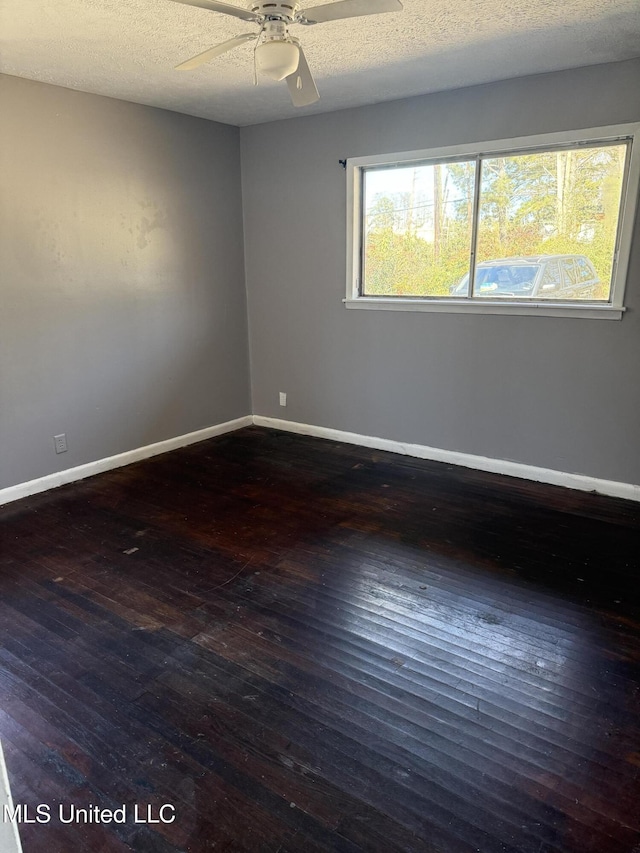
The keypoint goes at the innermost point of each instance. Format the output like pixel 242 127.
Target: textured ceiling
pixel 127 49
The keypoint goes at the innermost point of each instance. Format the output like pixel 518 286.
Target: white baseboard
pixel 467 460
pixel 613 488
pixel 70 475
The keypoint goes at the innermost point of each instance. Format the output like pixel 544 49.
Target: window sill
pixel 466 306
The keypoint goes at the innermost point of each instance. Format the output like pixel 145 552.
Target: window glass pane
pixel 546 207
pixel 417 229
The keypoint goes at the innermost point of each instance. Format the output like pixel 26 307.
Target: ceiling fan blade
pixel 225 8
pixel 302 87
pixel 348 9
pixel 212 52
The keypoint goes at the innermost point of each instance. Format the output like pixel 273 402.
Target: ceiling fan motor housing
pixel 275 31
pixel 276 10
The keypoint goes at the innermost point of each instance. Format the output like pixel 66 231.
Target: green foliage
pixel 404 265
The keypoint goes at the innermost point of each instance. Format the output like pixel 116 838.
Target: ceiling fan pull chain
pixel 255 58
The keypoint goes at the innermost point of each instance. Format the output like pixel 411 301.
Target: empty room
pixel 319 426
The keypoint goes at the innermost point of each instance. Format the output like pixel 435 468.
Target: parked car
pixel 539 276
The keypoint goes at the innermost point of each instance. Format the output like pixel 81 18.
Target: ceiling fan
pixel 278 54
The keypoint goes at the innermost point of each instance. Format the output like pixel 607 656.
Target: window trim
pixel 612 310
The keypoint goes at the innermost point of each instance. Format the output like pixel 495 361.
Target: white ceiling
pixel 127 49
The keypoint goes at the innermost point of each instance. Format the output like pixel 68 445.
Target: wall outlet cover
pixel 60 442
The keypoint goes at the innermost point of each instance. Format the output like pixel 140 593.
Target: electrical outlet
pixel 60 442
pixel 283 398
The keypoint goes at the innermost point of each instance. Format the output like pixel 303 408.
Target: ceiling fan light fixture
pixel 277 59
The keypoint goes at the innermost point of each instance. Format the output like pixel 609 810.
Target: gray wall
pixel 554 392
pixel 123 315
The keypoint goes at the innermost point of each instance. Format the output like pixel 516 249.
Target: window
pixel 536 225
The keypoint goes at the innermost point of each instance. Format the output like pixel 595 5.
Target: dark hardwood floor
pixel 308 646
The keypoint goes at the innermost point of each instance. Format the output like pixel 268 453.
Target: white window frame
pixel 611 310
